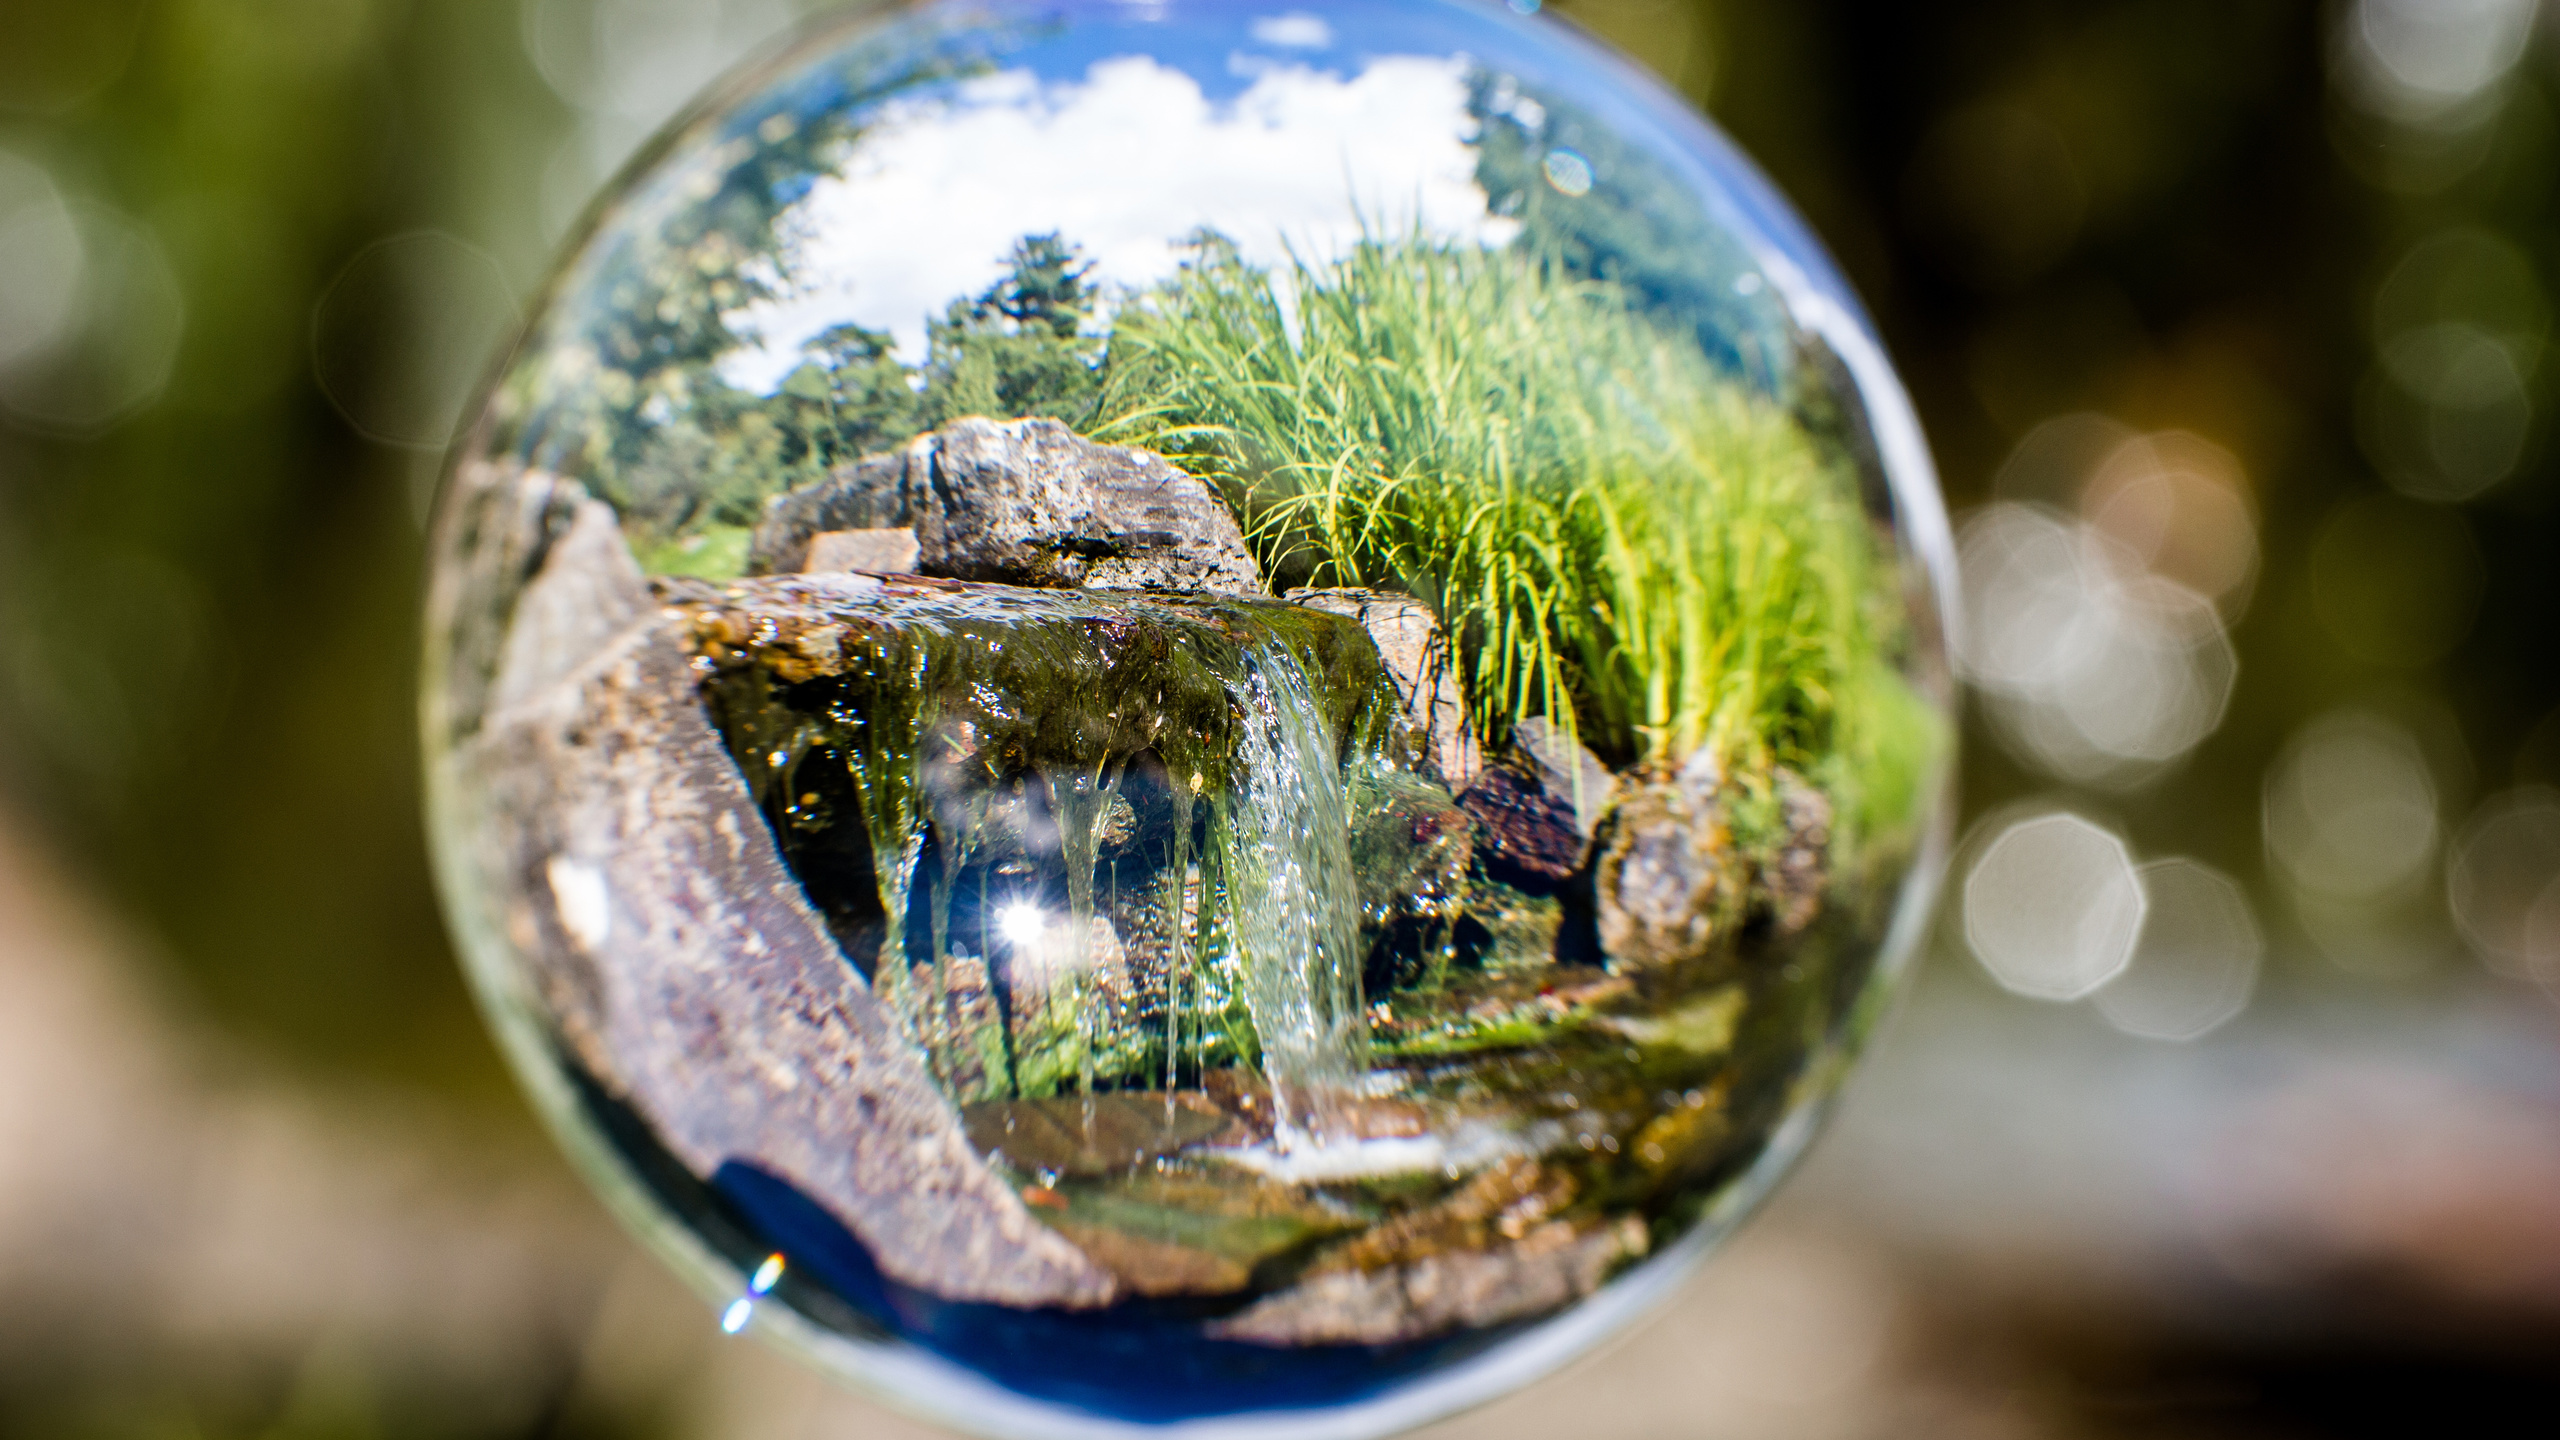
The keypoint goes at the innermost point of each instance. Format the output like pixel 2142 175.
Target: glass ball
pixel 1146 712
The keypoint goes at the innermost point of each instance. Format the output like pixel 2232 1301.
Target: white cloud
pixel 1296 30
pixel 1125 163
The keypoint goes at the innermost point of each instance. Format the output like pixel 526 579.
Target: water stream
pixel 1294 915
pixel 1078 800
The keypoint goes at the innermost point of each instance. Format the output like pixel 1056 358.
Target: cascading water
pixel 1205 949
pixel 1294 916
pixel 1078 800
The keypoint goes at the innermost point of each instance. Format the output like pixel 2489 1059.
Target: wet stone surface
pixel 635 852
pixel 1417 657
pixel 1019 812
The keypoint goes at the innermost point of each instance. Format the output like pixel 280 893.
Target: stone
pixel 1503 1201
pixel 1520 928
pixel 1416 653
pixel 1157 1268
pixel 1668 878
pixel 1023 502
pixel 677 958
pixel 1185 1234
pixel 1540 804
pixel 1567 769
pixel 497 530
pixel 888 550
pixel 1547 1268
pixel 579 604
pixel 1527 837
pixel 1092 1134
pixel 907 720
pixel 1793 882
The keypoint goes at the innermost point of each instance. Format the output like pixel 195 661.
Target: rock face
pixel 1540 804
pixel 678 958
pixel 1411 846
pixel 1668 875
pixel 496 533
pixel 1417 655
pixel 1023 502
pixel 1567 771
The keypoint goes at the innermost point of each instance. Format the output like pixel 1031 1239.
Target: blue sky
pixel 1126 123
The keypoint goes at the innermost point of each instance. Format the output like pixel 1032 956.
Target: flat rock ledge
pixel 1022 502
pixel 1548 1268
pixel 676 955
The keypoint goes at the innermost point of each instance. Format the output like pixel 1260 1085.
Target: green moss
pixel 1703 1026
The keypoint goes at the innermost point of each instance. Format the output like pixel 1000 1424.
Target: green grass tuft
pixel 1620 535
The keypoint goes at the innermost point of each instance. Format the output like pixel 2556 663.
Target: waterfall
pixel 1178 920
pixel 1294 902
pixel 995 730
pixel 1078 800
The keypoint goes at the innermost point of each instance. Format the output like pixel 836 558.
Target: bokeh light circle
pixel 2053 906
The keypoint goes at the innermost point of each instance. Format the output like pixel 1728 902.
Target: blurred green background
pixel 260 1172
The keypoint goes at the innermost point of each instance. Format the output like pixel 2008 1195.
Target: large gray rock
pixel 493 531
pixel 1410 641
pixel 1023 502
pixel 677 958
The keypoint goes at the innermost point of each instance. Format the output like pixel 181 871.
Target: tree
pixel 870 399
pixel 1020 348
pixel 621 388
pixel 1046 286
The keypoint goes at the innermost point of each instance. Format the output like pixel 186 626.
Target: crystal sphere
pixel 1149 713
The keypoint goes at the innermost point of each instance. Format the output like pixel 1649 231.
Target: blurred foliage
pixel 2157 209
pixel 206 690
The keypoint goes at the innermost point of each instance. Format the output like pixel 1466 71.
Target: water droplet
pixel 1568 172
